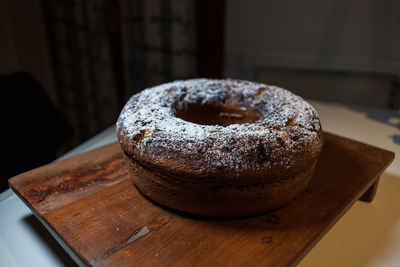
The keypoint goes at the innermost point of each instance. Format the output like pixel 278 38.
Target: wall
pixel 329 36
pixel 23 43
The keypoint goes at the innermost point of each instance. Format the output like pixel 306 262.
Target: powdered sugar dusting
pixel 289 128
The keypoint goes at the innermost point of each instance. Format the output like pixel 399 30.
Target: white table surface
pixel 367 235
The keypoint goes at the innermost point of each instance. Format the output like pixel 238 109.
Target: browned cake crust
pixel 220 147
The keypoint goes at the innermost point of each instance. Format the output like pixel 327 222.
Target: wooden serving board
pixel 96 213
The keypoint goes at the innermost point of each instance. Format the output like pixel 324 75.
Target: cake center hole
pixel 222 115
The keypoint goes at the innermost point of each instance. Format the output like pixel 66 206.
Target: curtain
pixel 105 51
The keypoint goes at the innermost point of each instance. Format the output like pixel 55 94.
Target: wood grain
pixel 93 208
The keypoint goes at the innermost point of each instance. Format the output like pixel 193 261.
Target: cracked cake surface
pixel 285 140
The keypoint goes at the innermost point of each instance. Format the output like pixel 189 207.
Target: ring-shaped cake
pixel 220 147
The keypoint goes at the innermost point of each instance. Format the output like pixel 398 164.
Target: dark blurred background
pixel 68 67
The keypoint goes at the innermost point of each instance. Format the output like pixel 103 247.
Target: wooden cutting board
pixel 92 208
